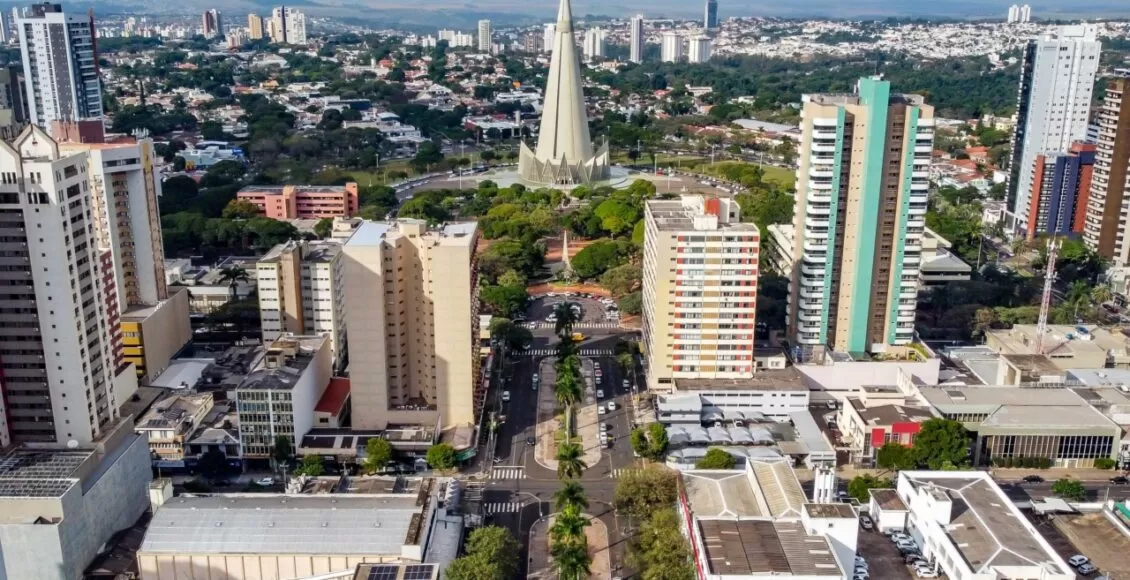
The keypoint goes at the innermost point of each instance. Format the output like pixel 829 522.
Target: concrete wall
pixel 115 497
pixel 246 566
pixel 849 376
pixel 365 310
pixel 165 333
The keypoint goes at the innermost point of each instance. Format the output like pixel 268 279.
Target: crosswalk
pixel 508 473
pixel 553 351
pixel 616 473
pixel 580 326
pixel 501 507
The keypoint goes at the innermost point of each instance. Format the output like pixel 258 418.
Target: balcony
pixel 819 210
pixel 816 172
pixel 823 160
pixel 815 294
pixel 823 147
pixel 811 269
pixel 810 316
pixel 819 245
pixel 814 221
pixel 817 133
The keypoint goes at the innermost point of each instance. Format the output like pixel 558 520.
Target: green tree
pixel 570 461
pixel 324 228
pixel 860 486
pixel 660 550
pixel 716 458
pixel 631 304
pixel 640 444
pixel 569 525
pixel 491 553
pixel 622 280
pixel 895 456
pixel 571 560
pixel 640 492
pixel 571 494
pixel 232 276
pixel 1069 489
pixel 378 452
pixel 505 300
pixel 657 440
pixel 427 154
pixel 283 451
pixel 939 441
pixel 310 465
pixel 514 337
pixel 240 209
pixel 597 258
pixel 441 456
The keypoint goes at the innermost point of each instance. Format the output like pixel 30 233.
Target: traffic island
pixel 541 564
pixel 549 429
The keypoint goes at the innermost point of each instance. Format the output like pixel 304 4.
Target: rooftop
pixel 787 379
pixel 985 526
pixel 889 414
pixel 332 401
pixel 175 412
pixel 1008 406
pixel 40 473
pixel 888 499
pixel 1061 340
pixel 686 213
pixel 767 488
pixel 283 364
pixel 323 251
pixel 278 189
pixel 830 510
pixel 765 547
pixel 375 233
pixel 397 572
pixel 283 524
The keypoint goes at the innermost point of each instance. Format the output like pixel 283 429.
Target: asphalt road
pixel 518 490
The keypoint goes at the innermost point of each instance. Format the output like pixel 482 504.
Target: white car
pixel 599 394
pixel 626 383
pixel 926 572
pixel 611 406
pixel 505 396
pixel 600 410
pixel 1077 560
pixel 265 482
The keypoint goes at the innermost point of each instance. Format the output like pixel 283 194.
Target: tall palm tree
pixel 571 495
pixel 570 462
pixel 568 391
pixel 566 318
pixel 569 526
pixel 566 349
pixel 571 559
pixel 1101 294
pixel 233 275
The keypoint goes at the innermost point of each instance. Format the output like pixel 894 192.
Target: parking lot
pixel 883 559
pixel 1093 536
pixel 592 309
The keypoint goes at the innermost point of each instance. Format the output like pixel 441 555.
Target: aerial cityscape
pixel 663 292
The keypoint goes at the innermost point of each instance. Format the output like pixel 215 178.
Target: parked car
pixel 599 394
pixel 1087 569
pixel 265 481
pixel 866 522
pixel 912 559
pixel 926 572
pixel 1078 560
pixel 1033 479
pixel 531 441
pixel 600 410
pixel 611 405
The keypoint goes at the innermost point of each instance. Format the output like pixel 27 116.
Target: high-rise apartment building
pixel 60 66
pixel 211 24
pixel 710 19
pixel 548 36
pixel 700 268
pixel 287 26
pixel 411 299
pixel 698 49
pixel 862 182
pixel 1057 78
pixel 484 37
pixel 594 45
pixel 635 38
pixel 532 42
pixel 672 48
pixel 55 351
pixel 1108 205
pixel 300 292
pixel 1025 13
pixel 254 26
pixel 1060 189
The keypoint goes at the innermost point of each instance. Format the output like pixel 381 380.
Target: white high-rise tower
pixel 59 66
pixel 635 47
pixel 1013 14
pixel 484 36
pixel 672 48
pixel 564 155
pixel 1057 79
pixel 594 43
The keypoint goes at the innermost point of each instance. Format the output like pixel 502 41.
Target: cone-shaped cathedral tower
pixel 564 154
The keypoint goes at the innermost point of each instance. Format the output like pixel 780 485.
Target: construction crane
pixel 1046 299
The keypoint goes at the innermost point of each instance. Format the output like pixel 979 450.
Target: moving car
pixel 578 337
pixel 1120 480
pixel 1033 479
pixel 265 482
pixel 505 396
pixel 600 410
pixel 599 394
pixel 611 405
pixel 866 522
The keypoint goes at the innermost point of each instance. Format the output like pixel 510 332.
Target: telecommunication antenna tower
pixel 1046 299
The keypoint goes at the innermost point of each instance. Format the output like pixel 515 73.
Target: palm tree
pixel 569 526
pixel 566 318
pixel 566 349
pixel 570 462
pixel 571 495
pixel 1101 294
pixel 233 275
pixel 571 560
pixel 567 389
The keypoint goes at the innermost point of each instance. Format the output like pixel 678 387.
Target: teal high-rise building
pixel 860 215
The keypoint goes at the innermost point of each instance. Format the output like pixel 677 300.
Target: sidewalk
pixel 541 565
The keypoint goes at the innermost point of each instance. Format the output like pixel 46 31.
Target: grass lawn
pixel 783 176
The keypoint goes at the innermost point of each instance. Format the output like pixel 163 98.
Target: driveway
pixel 884 560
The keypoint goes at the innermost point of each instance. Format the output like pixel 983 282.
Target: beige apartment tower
pixel 859 219
pixel 300 292
pixel 1108 206
pixel 254 26
pixel 411 298
pixel 700 268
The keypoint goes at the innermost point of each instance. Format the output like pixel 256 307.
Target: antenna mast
pixel 1046 300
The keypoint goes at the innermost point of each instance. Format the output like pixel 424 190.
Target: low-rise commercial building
pixel 868 423
pixel 168 424
pixel 287 202
pixel 277 398
pixel 767 396
pixel 60 506
pixel 1068 347
pixel 153 335
pixel 757 523
pixel 970 530
pixel 1028 422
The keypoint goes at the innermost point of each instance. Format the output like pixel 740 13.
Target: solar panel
pixel 387 572
pixel 419 572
